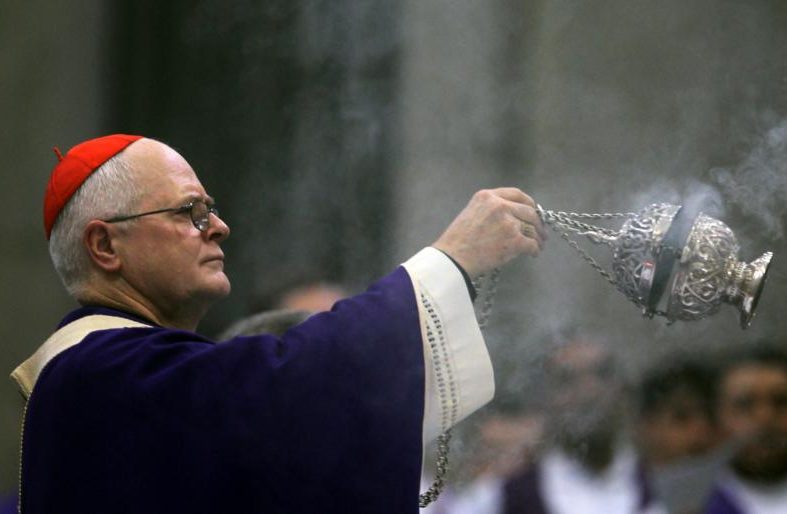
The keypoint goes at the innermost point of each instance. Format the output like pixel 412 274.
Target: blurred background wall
pixel 53 91
pixel 340 137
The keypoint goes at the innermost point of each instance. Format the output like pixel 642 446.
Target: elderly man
pixel 130 411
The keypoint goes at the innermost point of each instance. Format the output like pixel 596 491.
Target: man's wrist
pixel 468 282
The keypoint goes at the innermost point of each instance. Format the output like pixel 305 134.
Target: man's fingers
pixel 495 226
pixel 531 245
pixel 528 229
pixel 530 233
pixel 531 241
pixel 523 207
pixel 514 194
pixel 529 215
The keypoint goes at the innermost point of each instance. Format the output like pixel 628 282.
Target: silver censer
pixel 671 262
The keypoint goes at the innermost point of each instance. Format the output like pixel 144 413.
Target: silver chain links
pixel 569 221
pixel 561 221
pixel 431 494
pixel 582 253
pixel 486 289
pixel 588 215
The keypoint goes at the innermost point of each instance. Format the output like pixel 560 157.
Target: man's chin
pixel 219 287
pixel 762 463
pixel 225 288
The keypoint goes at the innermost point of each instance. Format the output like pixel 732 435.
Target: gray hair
pixel 109 191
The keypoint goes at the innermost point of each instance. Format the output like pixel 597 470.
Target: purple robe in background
pixel 522 492
pixel 721 502
pixel 327 419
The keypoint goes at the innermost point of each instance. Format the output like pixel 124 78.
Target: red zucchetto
pixel 74 168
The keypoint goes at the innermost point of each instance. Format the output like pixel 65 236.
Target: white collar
pixel 765 499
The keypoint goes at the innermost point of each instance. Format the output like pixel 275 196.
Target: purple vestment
pixel 327 419
pixel 721 502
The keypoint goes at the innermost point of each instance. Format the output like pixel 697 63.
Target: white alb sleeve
pixel 459 376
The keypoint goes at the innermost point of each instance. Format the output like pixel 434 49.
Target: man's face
pixel 165 257
pixel 753 411
pixel 584 392
pixel 680 427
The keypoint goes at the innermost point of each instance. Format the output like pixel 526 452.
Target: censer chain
pixel 582 253
pixel 590 215
pixel 569 221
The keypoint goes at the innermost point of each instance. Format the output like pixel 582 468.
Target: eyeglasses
pixel 198 210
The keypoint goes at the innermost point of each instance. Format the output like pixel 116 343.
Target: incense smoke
pixel 758 185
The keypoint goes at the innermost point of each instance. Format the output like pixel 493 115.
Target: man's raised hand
pixel 495 226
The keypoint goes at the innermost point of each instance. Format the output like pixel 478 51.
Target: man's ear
pixel 99 245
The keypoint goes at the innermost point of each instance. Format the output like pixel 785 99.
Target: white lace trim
pixel 458 372
pixel 447 387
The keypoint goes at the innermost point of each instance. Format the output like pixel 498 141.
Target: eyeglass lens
pixel 200 213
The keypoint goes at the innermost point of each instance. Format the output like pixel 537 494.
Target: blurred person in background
pixel 587 466
pixel 752 410
pixel 129 410
pixel 275 322
pixel 676 432
pixel 503 442
pixel 293 306
pixel 298 287
pixel 314 296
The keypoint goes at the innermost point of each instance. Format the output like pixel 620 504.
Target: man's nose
pixel 217 229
